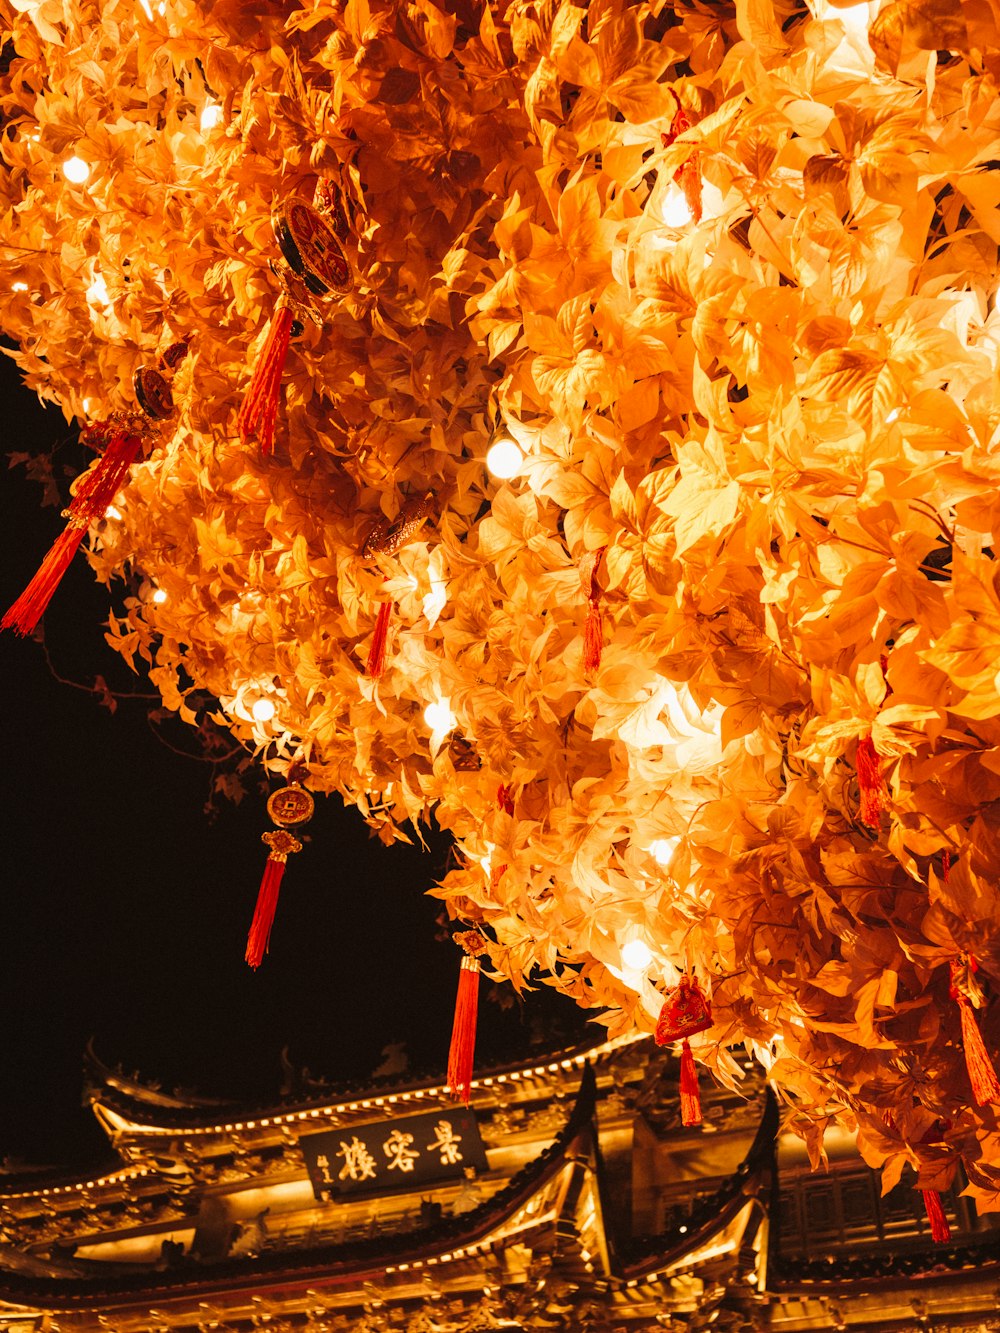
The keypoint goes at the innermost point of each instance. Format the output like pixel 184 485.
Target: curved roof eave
pixel 323 1265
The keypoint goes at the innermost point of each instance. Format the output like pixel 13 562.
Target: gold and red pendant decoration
pixel 685 1012
pixel 289 807
pixel 121 440
pixel 462 1053
pixel 314 266
pixel 593 628
pixel 967 993
pixel 871 784
pixel 687 176
pixel 386 538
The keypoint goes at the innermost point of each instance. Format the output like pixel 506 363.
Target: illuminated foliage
pixel 777 423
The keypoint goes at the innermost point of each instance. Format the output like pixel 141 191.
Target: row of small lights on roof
pixel 115 1179
pixel 297 1117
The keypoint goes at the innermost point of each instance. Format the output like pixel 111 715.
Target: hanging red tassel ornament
pixel 687 176
pixel 969 997
pixel 314 266
pixel 386 538
pixel 124 437
pixel 380 639
pixel 870 786
pixel 940 1230
pixel 593 629
pixel 685 1012
pixel 260 405
pixel 288 807
pixel 461 1055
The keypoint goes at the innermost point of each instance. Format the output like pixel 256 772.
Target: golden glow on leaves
pixel 779 423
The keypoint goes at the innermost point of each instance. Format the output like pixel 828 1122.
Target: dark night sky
pixel 124 911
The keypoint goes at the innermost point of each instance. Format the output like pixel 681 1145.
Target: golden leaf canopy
pixel 725 274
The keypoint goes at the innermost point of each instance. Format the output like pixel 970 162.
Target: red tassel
pixel 260 406
pixel 687 176
pixel 870 786
pixel 690 1092
pixel 95 491
pixel 263 917
pixel 982 1075
pixel 289 805
pixel 593 629
pixel 380 639
pixel 940 1230
pixel 101 484
pixel 29 608
pixel 461 1054
pixel 505 798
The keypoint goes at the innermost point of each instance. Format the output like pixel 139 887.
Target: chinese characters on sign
pixel 394 1154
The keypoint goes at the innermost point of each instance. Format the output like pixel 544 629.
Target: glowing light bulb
pixel 159 596
pixel 504 458
pixel 263 710
pixel 439 716
pixel 636 955
pixel 854 18
pixel 113 511
pixel 662 850
pixel 88 404
pixel 211 116
pixel 76 170
pixel 97 292
pixel 19 286
pixel 676 211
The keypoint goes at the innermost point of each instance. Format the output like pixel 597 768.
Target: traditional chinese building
pixel 568 1196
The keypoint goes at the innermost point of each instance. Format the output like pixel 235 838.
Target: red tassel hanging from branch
pixel 940 1230
pixel 690 1092
pixel 314 266
pixel 27 611
pixel 687 176
pixel 386 537
pixel 380 640
pixel 260 405
pixel 966 992
pixel 685 1012
pixel 124 438
pixel 287 807
pixel 461 1055
pixel 870 785
pixel 593 629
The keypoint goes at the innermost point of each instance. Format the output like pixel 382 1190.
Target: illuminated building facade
pixel 568 1196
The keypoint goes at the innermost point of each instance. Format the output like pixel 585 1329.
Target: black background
pixel 125 908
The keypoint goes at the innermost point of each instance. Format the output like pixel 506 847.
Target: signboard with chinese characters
pixel 394 1154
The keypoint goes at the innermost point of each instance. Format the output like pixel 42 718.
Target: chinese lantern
pixel 685 1012
pixel 289 807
